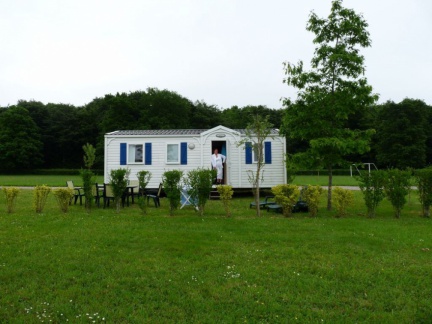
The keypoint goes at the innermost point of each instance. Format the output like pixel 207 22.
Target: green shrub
pixel 63 197
pixel 286 195
pixel 423 179
pixel 342 199
pixel 11 194
pixel 225 194
pixel 312 195
pixel 397 187
pixel 200 181
pixel 119 181
pixel 40 196
pixel 372 187
pixel 87 175
pixel 172 187
pixel 143 180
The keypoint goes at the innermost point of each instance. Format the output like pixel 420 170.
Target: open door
pixel 221 146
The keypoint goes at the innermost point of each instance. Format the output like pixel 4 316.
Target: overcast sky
pixel 224 52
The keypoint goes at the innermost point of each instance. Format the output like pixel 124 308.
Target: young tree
pixel 423 179
pixel 331 92
pixel 172 185
pixel 257 132
pixel 87 174
pixel 119 181
pixel 200 181
pixel 372 187
pixel 396 187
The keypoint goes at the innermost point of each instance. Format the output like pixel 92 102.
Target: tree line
pixel 36 135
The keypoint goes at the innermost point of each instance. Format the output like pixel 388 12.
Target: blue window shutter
pixel 248 150
pixel 183 153
pixel 148 153
pixel 267 153
pixel 123 153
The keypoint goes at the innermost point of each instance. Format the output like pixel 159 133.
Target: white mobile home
pixel 158 151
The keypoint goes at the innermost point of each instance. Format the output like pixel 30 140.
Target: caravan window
pixel 255 154
pixel 135 153
pixel 173 153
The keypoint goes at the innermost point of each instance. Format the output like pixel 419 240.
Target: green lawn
pixel 322 180
pixel 49 180
pixel 58 181
pixel 130 268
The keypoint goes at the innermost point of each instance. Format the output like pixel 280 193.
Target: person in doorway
pixel 217 161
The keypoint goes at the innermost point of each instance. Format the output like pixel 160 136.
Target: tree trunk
pixel 330 185
pixel 257 194
pixel 426 211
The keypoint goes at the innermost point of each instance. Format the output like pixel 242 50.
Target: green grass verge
pixel 60 180
pixel 322 180
pixel 131 268
pixel 35 180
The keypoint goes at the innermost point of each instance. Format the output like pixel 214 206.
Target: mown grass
pixel 59 181
pixel 35 180
pixel 131 268
pixel 322 180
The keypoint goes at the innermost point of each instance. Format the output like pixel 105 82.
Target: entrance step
pixel 214 194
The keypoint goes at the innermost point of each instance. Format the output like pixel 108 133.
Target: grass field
pixel 59 181
pixel 131 268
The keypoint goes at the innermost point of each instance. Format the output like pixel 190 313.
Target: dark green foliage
pixel 171 181
pixel 397 187
pixel 236 117
pixel 402 133
pixel 119 181
pixel 143 180
pixel 200 181
pixel 20 140
pixel 87 175
pixel 331 93
pixel 424 184
pixel 372 186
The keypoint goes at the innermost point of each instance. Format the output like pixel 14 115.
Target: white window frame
pixel 254 155
pixel 131 148
pixel 178 153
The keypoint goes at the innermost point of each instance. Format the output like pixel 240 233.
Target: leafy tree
pixel 203 116
pixel 238 118
pixel 62 136
pixel 172 185
pixel 118 181
pixel 372 188
pixel 402 134
pixel 225 193
pixel 144 177
pixel 87 174
pixel 167 109
pixel 424 184
pixel 396 187
pixel 200 181
pixel 331 92
pixel 257 132
pixel 20 143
